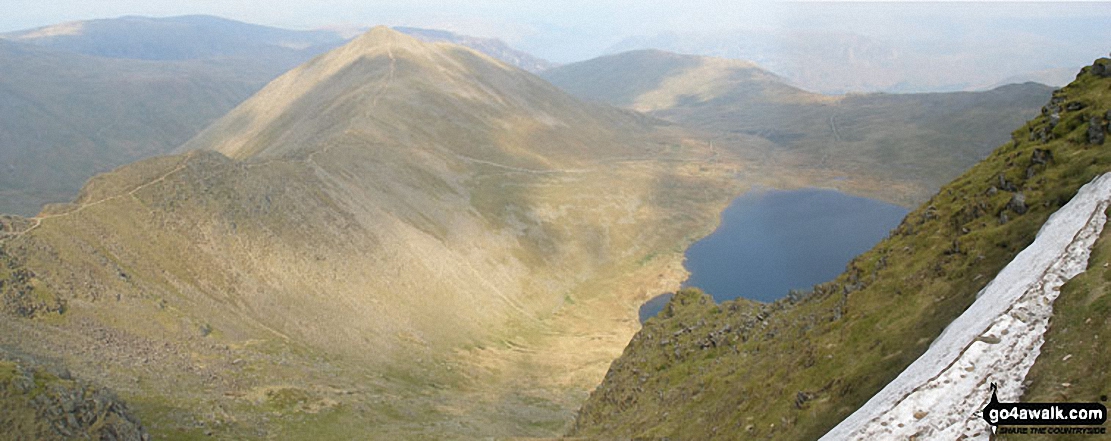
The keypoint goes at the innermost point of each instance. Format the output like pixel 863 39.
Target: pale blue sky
pixel 569 30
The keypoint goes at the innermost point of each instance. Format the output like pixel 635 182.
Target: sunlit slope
pixel 396 239
pixel 913 142
pixel 795 368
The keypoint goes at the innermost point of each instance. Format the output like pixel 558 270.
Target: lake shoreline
pixel 772 241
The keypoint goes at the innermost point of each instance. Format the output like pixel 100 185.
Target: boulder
pixel 1006 185
pixel 1041 156
pixel 1017 203
pixel 1101 70
pixel 1096 131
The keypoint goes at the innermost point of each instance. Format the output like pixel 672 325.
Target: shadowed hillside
pixel 913 142
pixel 396 239
pixel 82 98
pixel 65 117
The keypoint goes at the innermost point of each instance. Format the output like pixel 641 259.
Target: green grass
pixel 1074 364
pixel 836 347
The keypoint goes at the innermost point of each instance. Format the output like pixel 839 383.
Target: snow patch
pixel 996 339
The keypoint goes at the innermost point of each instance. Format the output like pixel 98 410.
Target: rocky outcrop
pixel 13 224
pixel 1017 203
pixel 1101 69
pixel 20 295
pixel 36 403
pixel 1097 130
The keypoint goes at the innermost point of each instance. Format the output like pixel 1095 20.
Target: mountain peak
pixel 382 37
pixel 380 31
pixel 386 86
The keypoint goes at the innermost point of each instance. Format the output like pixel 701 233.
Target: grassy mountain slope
pixel 65 117
pixel 395 240
pixel 794 368
pixel 82 98
pixel 914 143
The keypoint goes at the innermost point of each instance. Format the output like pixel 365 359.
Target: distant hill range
pixel 191 37
pixel 919 141
pixel 84 97
pixel 937 52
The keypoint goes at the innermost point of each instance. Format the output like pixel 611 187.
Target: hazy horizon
pixel 578 30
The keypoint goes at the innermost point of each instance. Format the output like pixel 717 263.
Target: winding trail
pixel 37 220
pixel 511 168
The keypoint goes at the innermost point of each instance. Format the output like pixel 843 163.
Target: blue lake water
pixel 772 241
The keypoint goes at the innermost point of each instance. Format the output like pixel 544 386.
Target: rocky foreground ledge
pixel 39 403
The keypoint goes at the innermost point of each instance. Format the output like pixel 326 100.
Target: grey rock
pixel 1031 171
pixel 1006 185
pixel 1018 203
pixel 1096 131
pixel 1101 70
pixel 1041 156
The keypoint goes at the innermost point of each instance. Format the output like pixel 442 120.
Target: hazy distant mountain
pixel 82 98
pixel 189 37
pixel 653 80
pixel 1053 77
pixel 918 140
pixel 65 117
pixel 489 46
pixel 835 62
pixel 397 239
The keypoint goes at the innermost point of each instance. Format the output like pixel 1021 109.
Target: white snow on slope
pixel 997 339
